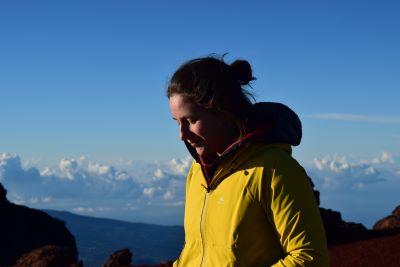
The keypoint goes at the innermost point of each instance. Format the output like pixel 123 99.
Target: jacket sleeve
pixel 296 217
pixel 176 263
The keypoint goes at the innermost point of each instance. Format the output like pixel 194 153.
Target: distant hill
pixel 97 238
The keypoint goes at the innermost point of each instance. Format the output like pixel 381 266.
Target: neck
pixel 230 139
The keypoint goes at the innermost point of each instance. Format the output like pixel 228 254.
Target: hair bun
pixel 243 72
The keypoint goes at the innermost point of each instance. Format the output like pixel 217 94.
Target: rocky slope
pixel 23 229
pixel 389 222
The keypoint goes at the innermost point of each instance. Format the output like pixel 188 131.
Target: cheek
pixel 208 132
pixel 198 129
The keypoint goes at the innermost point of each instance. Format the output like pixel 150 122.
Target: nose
pixel 183 131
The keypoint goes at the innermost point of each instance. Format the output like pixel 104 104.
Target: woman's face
pixel 203 129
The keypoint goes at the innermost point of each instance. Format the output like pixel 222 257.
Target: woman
pixel 248 202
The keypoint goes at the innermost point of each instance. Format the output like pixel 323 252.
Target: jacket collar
pixel 273 123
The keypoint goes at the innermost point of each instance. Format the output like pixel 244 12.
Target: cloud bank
pixel 364 190
pixel 94 188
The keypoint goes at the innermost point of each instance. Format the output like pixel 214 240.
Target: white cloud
pixel 11 169
pixel 89 209
pixel 31 162
pixel 180 166
pixel 99 169
pixel 9 163
pixel 168 195
pixel 46 199
pixel 47 172
pixel 69 167
pixel 335 172
pixel 39 200
pixel 149 192
pixel 386 156
pixel 82 209
pixel 159 174
pixel 121 176
pixel 356 117
pixel 19 201
pixel 370 170
pixel 107 172
pixel 333 163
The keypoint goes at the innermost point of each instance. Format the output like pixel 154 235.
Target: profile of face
pixel 206 131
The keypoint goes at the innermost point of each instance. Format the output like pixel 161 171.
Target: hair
pixel 213 84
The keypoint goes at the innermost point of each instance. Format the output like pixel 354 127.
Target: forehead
pixel 179 103
pixel 181 106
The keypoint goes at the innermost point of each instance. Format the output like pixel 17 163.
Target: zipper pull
pixel 206 188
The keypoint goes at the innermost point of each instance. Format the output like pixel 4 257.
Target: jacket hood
pixel 276 123
pixel 273 123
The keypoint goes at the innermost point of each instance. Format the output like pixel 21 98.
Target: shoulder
pixel 194 168
pixel 267 155
pixel 273 162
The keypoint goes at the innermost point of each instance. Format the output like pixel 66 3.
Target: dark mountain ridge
pixel 97 238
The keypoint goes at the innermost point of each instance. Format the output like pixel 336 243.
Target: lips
pixel 195 144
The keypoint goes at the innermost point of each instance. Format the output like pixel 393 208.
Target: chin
pixel 201 151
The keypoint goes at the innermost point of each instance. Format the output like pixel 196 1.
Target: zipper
pixel 202 227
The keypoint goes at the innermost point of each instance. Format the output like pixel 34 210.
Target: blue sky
pixel 82 83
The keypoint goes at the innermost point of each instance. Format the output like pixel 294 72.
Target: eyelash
pixel 190 121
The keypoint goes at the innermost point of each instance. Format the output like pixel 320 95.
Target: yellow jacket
pixel 258 210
